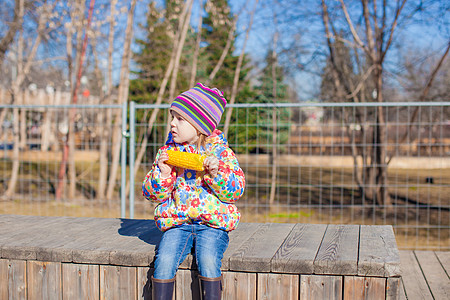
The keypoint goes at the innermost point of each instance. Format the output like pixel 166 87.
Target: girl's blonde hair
pixel 201 142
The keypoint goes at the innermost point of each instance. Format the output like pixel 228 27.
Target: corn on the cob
pixel 186 160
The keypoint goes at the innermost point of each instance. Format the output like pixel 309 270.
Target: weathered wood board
pixel 321 287
pixel 412 277
pixel 437 279
pixel 378 252
pixel 338 253
pixel 93 258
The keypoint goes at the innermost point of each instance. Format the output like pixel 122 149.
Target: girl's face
pixel 182 130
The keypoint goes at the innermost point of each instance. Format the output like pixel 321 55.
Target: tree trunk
pixel 15 157
pixel 69 145
pixel 122 98
pixel 180 45
pixel 274 154
pixel 234 89
pixel 224 53
pixel 382 195
pixel 159 98
pixel 16 97
pixel 197 45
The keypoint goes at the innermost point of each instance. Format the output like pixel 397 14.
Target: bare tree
pixel 234 89
pixel 122 98
pixel 69 143
pixel 274 154
pixel 372 40
pixel 197 45
pixel 24 62
pixel 14 26
pixel 106 119
pixel 162 88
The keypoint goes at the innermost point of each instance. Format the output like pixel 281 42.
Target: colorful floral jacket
pixel 189 195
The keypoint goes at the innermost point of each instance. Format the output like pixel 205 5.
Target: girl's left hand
pixel 211 164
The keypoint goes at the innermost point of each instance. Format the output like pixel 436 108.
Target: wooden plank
pixel 256 253
pixel 297 253
pixel 118 282
pixel 237 285
pixel 22 243
pixel 17 279
pixel 88 251
pixel 413 280
pixel 444 259
pixel 44 280
pixel 4 265
pixel 278 286
pixel 187 285
pixel 54 248
pixel 435 275
pixel 402 291
pixel 144 277
pixel 320 287
pixel 358 288
pixel 80 281
pixel 338 253
pixel 141 237
pixel 378 252
pixel 393 288
pixel 237 238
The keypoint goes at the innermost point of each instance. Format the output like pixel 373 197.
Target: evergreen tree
pixel 260 119
pixel 155 50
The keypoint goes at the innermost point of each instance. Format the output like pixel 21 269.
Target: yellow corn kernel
pixel 186 160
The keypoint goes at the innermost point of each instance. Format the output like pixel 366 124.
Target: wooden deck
pixel 80 258
pixel 425 275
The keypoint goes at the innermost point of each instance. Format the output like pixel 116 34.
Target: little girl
pixel 195 208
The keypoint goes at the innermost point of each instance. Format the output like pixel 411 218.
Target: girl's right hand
pixel 165 168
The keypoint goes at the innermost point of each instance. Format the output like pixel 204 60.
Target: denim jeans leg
pixel 210 244
pixel 176 243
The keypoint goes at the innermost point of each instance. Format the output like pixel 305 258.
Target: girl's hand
pixel 165 168
pixel 211 164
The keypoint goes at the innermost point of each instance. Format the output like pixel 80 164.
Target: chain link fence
pixel 304 162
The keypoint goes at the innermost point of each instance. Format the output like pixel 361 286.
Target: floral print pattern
pixel 189 195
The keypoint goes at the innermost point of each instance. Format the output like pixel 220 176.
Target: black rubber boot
pixel 162 289
pixel 211 288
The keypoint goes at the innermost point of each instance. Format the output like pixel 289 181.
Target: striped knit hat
pixel 201 106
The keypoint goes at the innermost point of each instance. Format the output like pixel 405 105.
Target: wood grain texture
pixel 144 288
pixel 435 275
pixel 415 285
pixel 237 238
pixel 23 244
pixel 187 285
pixel 238 285
pixel 444 259
pixel 321 287
pixel 297 253
pixel 4 265
pixel 367 288
pixel 378 252
pixel 278 286
pixel 118 282
pixel 44 280
pixel 80 281
pixel 255 255
pixel 338 253
pixel 17 279
pixel 393 288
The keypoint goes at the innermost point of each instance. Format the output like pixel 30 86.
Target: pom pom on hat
pixel 201 106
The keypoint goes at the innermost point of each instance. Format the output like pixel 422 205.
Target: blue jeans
pixel 176 243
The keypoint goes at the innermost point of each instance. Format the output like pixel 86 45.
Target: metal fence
pixel 319 161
